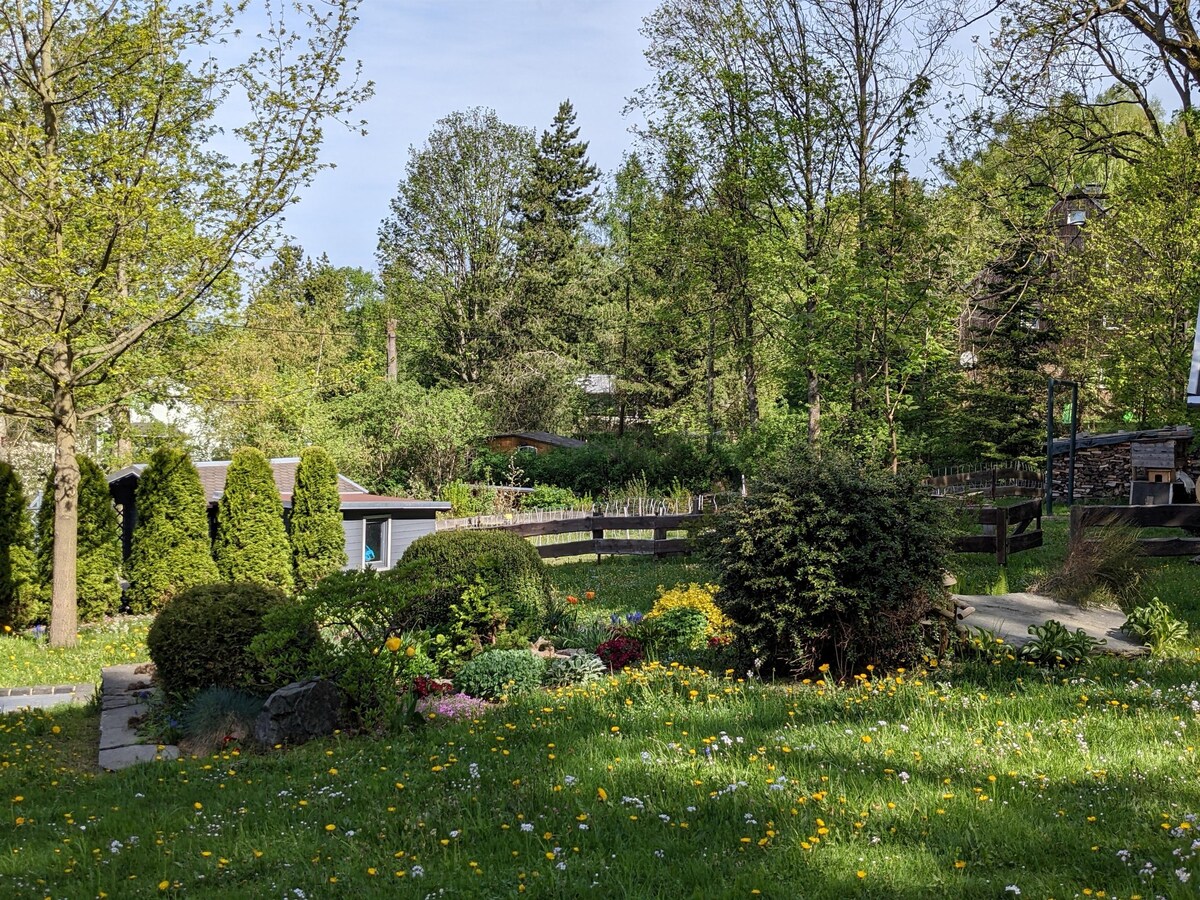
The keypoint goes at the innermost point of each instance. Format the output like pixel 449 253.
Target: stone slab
pixel 122 686
pixel 115 730
pixel 43 696
pixel 123 757
pixel 1010 615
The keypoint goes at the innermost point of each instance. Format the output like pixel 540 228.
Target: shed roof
pixel 213 473
pixel 544 437
pixel 1084 440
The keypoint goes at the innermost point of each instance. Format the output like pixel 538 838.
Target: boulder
pixel 299 712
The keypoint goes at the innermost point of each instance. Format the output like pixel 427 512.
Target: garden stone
pixel 299 712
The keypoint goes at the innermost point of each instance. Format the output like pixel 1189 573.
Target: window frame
pixel 385 539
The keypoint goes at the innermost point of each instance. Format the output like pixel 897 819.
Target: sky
pixel 428 58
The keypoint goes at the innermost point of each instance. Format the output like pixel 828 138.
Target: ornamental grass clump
pixel 830 560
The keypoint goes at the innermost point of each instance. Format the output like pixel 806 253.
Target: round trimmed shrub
pixel 830 560
pixel 499 673
pixel 202 638
pixel 508 564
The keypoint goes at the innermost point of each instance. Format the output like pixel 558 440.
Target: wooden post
pixel 660 534
pixel 597 535
pixel 1001 535
pixel 1076 523
pixel 993 484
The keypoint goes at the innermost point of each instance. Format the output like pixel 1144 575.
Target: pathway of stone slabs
pixel 123 697
pixel 43 696
pixel 1010 615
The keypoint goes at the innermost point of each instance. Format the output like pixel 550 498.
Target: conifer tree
pixel 16 550
pixel 252 542
pixel 553 203
pixel 318 541
pixel 98 553
pixel 171 548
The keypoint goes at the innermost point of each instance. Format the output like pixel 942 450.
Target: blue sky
pixel 430 57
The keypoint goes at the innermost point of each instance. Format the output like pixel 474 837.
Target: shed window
pixel 1076 217
pixel 375 543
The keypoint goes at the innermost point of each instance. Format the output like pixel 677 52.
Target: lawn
pixel 976 780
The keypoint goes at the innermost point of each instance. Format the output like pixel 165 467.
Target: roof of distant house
pixel 213 472
pixel 543 437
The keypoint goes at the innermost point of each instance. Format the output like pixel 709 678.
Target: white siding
pixel 404 532
pixel 354 539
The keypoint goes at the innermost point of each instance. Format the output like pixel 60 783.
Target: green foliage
pixel 98 553
pixel 317 537
pixel 466 501
pixel 547 496
pixel 1156 626
pixel 496 674
pixel 675 630
pixel 477 619
pixel 1052 644
pixel 17 583
pixel 399 436
pixel 171 549
pixel 202 638
pixel 510 565
pixel 607 463
pixel 252 543
pixel 829 560
pixel 580 668
pixel 356 620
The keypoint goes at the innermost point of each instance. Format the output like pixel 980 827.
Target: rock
pixel 299 713
pixel 543 648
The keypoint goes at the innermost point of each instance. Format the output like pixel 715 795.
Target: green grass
pixel 953 783
pixel 624 583
pixel 30 661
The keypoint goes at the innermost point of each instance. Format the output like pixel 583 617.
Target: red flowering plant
pixel 621 651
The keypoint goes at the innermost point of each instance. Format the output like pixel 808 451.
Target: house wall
pixel 403 532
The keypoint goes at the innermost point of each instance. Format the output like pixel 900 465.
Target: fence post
pixel 597 535
pixel 1001 535
pixel 1076 523
pixel 660 534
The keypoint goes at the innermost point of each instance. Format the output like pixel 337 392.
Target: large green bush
pixel 830 560
pixel 171 549
pixel 507 564
pixel 17 586
pixel 359 617
pixel 252 542
pixel 202 638
pixel 98 554
pixel 500 673
pixel 318 539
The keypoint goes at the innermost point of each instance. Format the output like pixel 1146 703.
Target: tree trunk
pixel 63 612
pixel 814 407
pixel 123 436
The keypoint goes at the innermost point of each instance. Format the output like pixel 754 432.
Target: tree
pixel 171 549
pixel 98 560
pixel 16 550
pixel 318 540
pixel 446 251
pixel 252 543
pixel 119 223
pixel 553 203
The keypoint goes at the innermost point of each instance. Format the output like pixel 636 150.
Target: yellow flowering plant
pixel 698 597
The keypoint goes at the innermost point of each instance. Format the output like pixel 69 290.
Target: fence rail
pixel 595 525
pixel 1006 530
pixel 1173 515
pixel 1007 480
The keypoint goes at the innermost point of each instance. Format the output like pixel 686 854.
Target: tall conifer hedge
pixel 171 548
pixel 318 540
pixel 17 586
pixel 252 542
pixel 98 556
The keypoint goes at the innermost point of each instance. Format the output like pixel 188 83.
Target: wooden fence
pixel 1174 515
pixel 659 544
pixel 1006 530
pixel 1009 480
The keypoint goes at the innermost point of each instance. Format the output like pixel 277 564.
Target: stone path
pixel 43 696
pixel 1010 615
pixel 123 697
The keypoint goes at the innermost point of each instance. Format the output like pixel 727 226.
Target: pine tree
pixel 552 204
pixel 16 551
pixel 98 553
pixel 252 542
pixel 318 541
pixel 171 549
